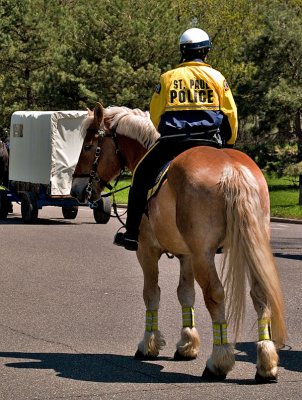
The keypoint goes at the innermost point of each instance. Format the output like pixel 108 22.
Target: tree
pixel 229 26
pixel 116 52
pixel 273 94
pixel 26 52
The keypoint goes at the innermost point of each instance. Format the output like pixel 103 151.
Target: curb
pixel 286 220
pixel 273 219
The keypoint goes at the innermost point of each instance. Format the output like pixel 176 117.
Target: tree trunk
pixel 299 135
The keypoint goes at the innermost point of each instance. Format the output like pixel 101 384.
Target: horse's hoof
pixel 208 375
pixel 141 356
pixel 264 380
pixel 180 357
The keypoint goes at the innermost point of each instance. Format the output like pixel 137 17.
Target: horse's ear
pixel 98 113
pixel 90 112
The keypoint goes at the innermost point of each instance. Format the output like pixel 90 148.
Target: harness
pixel 93 173
pixel 93 176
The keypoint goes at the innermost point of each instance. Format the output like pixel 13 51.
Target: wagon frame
pixel 44 146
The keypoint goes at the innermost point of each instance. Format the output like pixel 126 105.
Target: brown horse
pixel 211 198
pixel 3 164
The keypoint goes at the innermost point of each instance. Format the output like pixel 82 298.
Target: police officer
pixel 191 105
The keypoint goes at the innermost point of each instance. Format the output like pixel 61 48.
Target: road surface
pixel 72 314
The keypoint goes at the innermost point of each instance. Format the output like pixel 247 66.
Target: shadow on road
pixel 125 369
pixel 98 367
pixel 288 359
pixel 42 221
pixel 289 256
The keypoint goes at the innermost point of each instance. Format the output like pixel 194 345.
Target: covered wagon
pixel 44 149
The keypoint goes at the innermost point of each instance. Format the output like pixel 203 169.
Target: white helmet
pixel 194 39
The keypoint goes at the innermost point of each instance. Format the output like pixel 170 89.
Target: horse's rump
pixel 193 178
pixel 189 206
pixel 220 197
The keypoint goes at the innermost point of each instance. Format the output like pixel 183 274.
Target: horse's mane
pixel 133 123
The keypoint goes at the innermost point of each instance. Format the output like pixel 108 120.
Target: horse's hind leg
pixel 222 358
pixel 267 357
pixel 153 341
pixel 188 346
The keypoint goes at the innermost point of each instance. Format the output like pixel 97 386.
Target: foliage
pixel 68 54
pixel 230 26
pixel 293 171
pixel 115 53
pixel 261 153
pixel 280 159
pixel 272 93
pixel 26 52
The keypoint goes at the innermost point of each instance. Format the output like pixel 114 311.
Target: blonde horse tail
pixel 248 254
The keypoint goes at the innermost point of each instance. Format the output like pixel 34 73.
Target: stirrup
pixel 120 239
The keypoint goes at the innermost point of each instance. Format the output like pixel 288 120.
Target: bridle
pixel 93 176
pixel 93 173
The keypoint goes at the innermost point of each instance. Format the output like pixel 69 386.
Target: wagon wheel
pixel 70 212
pixel 4 205
pixel 29 209
pixel 102 212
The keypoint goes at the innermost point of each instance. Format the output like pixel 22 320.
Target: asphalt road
pixel 72 314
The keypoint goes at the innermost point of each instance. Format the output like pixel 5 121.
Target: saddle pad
pixel 158 181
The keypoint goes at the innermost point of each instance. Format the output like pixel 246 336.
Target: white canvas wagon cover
pixel 45 147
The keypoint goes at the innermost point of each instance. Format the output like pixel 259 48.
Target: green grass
pixel 284 197
pixel 121 197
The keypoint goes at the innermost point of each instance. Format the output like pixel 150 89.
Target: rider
pixel 192 101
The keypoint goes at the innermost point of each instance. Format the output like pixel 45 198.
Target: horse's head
pixel 98 163
pixel 114 137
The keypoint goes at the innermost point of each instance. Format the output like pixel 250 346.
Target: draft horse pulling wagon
pixel 211 198
pixel 5 204
pixel 3 163
pixel 44 149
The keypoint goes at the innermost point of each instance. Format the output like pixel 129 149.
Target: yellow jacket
pixel 194 85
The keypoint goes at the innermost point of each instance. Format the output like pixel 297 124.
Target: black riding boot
pixel 144 175
pixel 136 206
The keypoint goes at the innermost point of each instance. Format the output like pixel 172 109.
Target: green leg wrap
pixel 151 321
pixel 220 333
pixel 188 320
pixel 264 329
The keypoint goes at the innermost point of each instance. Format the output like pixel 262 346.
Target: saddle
pixel 159 180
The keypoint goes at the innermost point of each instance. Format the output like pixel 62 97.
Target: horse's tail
pixel 248 252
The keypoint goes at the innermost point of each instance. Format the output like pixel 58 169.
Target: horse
pixel 211 198
pixel 3 164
